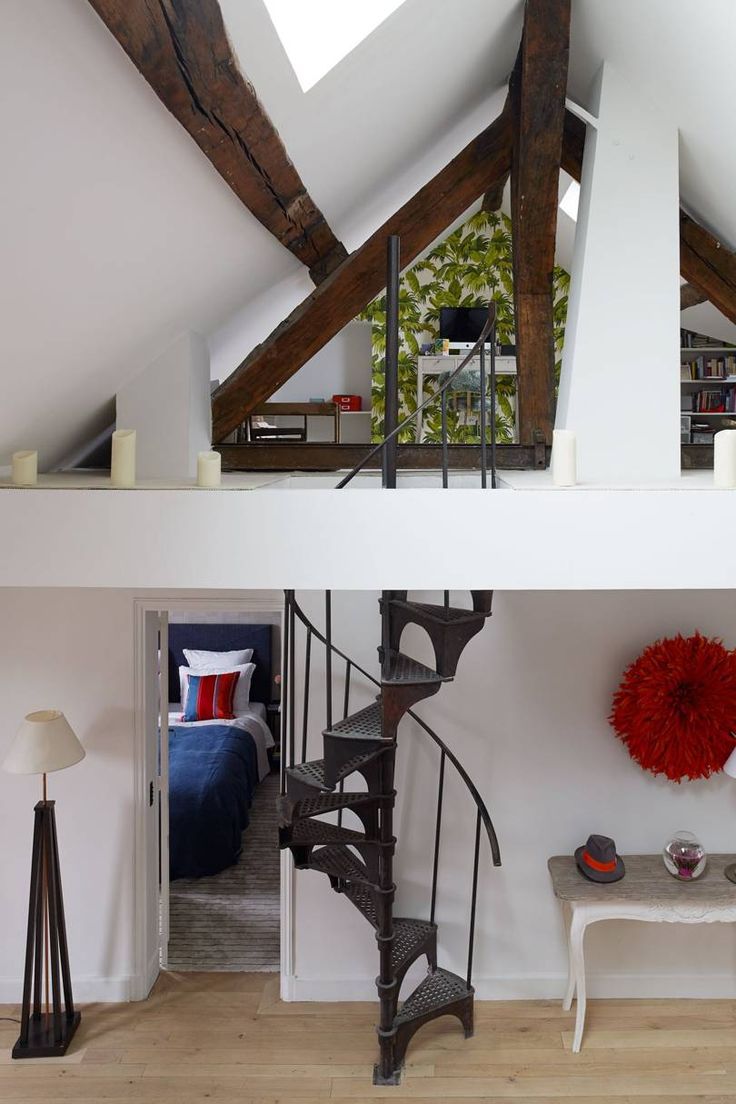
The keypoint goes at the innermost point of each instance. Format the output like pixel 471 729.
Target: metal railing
pixel 289 724
pixel 392 426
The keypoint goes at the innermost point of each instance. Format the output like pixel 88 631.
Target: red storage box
pixel 348 402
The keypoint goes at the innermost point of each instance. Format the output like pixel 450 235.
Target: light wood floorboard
pixel 229 1039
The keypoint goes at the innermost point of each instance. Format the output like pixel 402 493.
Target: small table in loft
pixel 646 892
pixel 301 410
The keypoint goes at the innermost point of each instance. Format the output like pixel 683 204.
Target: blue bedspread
pixel 213 773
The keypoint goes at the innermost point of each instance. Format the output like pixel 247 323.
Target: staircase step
pixel 319 833
pixel 411 937
pixel 402 670
pixel 339 862
pixel 292 810
pixel 309 778
pixel 364 725
pixel 363 899
pixel 439 989
pixel 422 612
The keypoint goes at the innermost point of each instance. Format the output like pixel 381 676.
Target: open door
pixel 163 784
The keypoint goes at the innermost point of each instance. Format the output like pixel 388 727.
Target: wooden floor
pixel 227 1038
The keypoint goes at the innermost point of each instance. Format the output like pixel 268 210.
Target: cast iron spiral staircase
pixel 359 864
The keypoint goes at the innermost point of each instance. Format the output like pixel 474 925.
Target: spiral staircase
pixel 359 864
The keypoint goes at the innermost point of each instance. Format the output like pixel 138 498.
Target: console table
pixel 646 892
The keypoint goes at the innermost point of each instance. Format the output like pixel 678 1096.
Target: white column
pixel 168 404
pixel 620 381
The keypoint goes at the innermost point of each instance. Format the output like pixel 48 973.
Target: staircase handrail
pixel 470 785
pixel 486 332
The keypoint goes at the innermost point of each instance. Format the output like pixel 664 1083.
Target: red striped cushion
pixel 210 697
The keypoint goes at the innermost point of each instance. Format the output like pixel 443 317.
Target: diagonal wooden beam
pixel 537 92
pixel 182 49
pixel 691 296
pixel 708 264
pixel 481 165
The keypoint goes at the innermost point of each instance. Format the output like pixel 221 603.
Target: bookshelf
pixel 707 392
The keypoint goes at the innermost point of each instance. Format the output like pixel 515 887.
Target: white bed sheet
pixel 254 722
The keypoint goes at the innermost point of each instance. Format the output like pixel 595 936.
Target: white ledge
pixel 543 538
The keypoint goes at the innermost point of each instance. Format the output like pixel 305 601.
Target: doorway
pixel 214 887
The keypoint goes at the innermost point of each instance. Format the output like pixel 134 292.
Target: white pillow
pixel 241 698
pixel 195 657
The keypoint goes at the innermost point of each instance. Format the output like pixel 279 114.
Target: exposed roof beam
pixel 537 92
pixel 708 264
pixel 690 296
pixel 477 168
pixel 182 50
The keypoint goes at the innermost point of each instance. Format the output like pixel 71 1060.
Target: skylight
pixel 317 34
pixel 570 200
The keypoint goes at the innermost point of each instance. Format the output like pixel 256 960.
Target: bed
pixel 215 766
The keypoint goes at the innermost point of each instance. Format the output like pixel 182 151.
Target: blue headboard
pixel 223 638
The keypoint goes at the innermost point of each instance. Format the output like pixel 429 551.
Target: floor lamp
pixel 44 743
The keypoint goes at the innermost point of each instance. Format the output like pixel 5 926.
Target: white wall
pixel 343 367
pixel 168 405
pixel 619 384
pixel 527 716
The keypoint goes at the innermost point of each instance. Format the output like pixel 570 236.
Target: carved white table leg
pixel 571 979
pixel 577 959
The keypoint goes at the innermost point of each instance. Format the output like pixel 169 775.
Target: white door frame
pixel 145 970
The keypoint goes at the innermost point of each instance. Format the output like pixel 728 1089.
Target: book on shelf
pixel 709 367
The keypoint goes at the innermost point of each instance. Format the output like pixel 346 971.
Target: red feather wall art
pixel 675 709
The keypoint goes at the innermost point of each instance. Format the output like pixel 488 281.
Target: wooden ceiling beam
pixel 691 296
pixel 708 264
pixel 182 49
pixel 479 167
pixel 537 93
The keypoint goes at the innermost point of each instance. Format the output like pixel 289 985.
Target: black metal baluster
pixel 446 600
pixel 284 689
pixel 445 450
pixel 474 901
pixel 346 698
pixel 391 369
pixel 483 459
pixel 328 657
pixel 437 830
pixel 292 684
pixel 305 718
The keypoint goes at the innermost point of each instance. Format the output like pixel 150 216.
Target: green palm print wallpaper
pixel 471 266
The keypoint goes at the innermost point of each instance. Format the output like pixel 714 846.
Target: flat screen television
pixel 462 324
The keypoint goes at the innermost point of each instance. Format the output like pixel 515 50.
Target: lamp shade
pixel 729 767
pixel 45 742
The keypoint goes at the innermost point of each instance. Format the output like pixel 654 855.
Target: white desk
pixel 646 892
pixel 438 365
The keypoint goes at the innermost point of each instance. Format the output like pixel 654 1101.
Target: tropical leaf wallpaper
pixel 471 266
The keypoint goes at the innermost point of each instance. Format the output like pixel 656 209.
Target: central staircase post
pixel 386 982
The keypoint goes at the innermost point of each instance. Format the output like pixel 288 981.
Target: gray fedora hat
pixel 598 861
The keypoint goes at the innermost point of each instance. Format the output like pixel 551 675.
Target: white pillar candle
pixel 724 458
pixel 122 470
pixel 25 468
pixel 209 469
pixel 564 458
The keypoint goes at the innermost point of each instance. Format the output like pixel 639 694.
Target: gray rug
pixel 231 920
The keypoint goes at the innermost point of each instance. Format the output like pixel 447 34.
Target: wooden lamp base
pixel 42 1034
pixel 46 1032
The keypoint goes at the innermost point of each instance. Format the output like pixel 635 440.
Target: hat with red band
pixel 598 861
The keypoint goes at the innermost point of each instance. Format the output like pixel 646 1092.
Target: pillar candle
pixel 122 471
pixel 209 467
pixel 25 468
pixel 564 458
pixel 724 458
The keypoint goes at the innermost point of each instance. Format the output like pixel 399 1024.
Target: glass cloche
pixel 684 856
